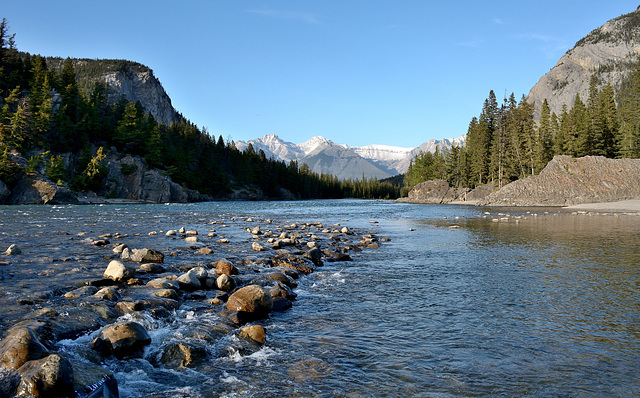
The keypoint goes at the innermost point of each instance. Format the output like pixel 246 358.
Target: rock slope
pixel 610 52
pixel 569 181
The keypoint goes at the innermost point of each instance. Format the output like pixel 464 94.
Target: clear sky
pixel 357 72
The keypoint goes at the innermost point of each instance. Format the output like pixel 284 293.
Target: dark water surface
pixel 461 305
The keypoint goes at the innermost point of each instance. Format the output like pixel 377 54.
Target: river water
pixel 527 302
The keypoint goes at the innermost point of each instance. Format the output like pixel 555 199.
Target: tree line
pixel 47 110
pixel 504 143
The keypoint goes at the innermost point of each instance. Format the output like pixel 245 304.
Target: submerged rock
pixel 13 250
pixel 182 355
pixel 288 260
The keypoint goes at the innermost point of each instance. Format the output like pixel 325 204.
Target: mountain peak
pixel 314 143
pixel 325 156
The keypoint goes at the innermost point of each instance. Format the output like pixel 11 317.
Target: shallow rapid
pixel 526 302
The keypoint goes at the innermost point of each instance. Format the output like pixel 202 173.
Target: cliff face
pixel 142 85
pixel 134 81
pixel 610 52
pixel 127 177
pixel 570 181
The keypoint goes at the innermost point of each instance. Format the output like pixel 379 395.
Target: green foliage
pixel 93 174
pixel 55 170
pixel 35 161
pixel 9 170
pixel 504 144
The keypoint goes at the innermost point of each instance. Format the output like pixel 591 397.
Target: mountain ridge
pixel 345 162
pixel 609 52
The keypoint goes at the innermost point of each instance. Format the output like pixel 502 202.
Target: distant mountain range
pixel 343 161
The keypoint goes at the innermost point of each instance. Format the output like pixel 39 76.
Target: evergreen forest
pixel 504 143
pixel 47 109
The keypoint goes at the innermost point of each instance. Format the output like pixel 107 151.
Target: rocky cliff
pixel 570 181
pixel 127 177
pixel 134 81
pixel 610 52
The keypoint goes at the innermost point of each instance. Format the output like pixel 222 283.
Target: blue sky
pixel 356 72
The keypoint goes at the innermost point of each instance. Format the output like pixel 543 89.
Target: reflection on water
pixel 460 305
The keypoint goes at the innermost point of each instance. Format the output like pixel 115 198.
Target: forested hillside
pixel 48 109
pixel 505 143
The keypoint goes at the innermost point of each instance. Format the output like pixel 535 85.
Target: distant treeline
pixel 47 107
pixel 505 144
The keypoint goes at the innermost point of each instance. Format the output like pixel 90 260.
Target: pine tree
pixel 544 141
pixel 579 142
pixel 628 136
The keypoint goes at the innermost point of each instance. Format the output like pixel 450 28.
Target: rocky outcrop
pixel 134 81
pixel 139 84
pixel 127 177
pixel 130 177
pixel 37 190
pixel 609 52
pixel 4 192
pixel 569 181
pixel 435 192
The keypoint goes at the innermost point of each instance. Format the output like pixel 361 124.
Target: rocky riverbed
pixel 113 285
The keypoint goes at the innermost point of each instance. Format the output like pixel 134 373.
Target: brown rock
pixel 182 355
pixel 121 340
pixel 251 299
pixel 223 266
pixel 20 345
pixel 255 333
pixel 288 260
pixel 48 377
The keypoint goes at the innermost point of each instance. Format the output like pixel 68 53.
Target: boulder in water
pixel 122 340
pixel 147 256
pixel 225 282
pixel 19 346
pixel 182 355
pixel 117 271
pixel 255 333
pixel 288 260
pixel 47 377
pixel 251 299
pixel 13 250
pixel 223 266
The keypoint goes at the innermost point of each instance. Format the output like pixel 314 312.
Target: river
pixel 462 301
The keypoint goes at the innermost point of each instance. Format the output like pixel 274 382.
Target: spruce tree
pixel 544 141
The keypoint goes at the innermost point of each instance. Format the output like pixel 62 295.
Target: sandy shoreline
pixel 621 206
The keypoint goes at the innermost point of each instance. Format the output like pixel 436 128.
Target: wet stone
pixel 48 377
pixel 19 346
pixel 121 340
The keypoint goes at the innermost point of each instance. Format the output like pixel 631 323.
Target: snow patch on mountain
pixel 343 161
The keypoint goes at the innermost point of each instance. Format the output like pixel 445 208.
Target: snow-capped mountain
pixel 343 161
